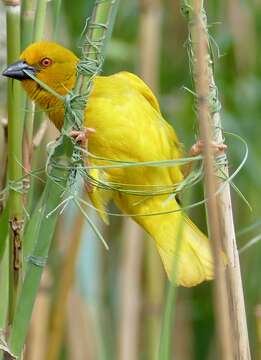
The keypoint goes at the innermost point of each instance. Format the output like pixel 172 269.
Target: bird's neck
pixel 53 106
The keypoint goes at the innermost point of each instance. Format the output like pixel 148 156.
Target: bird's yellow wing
pixel 141 87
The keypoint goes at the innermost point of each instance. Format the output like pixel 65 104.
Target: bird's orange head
pixel 52 64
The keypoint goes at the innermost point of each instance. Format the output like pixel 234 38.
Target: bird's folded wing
pixel 141 87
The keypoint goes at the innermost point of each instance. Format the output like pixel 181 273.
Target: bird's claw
pixel 198 148
pixel 88 186
pixel 81 136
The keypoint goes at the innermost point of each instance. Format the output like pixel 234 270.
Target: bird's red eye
pixel 46 62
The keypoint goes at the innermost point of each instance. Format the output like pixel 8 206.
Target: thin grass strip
pixel 250 243
pixel 249 228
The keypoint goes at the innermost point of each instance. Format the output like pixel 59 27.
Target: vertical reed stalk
pixel 130 269
pixel 81 329
pixel 14 157
pixel 39 20
pixel 3 161
pixel 219 207
pixel 56 15
pixel 224 330
pixel 154 293
pixel 37 339
pixel 27 24
pixel 258 330
pixel 149 38
pixel 43 221
pixel 165 348
pixel 4 282
pixel 33 21
pixel 56 331
pixel 149 41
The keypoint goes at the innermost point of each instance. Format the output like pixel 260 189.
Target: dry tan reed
pixel 231 320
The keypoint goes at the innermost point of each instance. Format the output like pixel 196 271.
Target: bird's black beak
pixel 16 70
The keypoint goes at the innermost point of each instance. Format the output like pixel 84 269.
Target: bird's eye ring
pixel 46 62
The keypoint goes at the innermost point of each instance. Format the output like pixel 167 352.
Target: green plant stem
pixel 33 22
pixel 4 279
pixel 56 15
pixel 27 22
pixel 42 230
pixel 4 268
pixel 102 11
pixel 14 160
pixel 27 25
pixel 39 20
pixel 44 220
pixel 32 30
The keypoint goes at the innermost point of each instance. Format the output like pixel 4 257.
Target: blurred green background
pixel 115 303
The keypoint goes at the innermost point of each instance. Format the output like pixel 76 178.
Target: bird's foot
pixel 81 136
pixel 198 148
pixel 88 186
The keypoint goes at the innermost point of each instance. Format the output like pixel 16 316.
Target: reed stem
pixel 42 224
pixel 129 307
pixel 56 15
pixel 39 20
pixel 56 330
pixel 14 158
pixel 33 21
pixel 149 42
pixel 202 87
pixel 27 22
pixel 230 308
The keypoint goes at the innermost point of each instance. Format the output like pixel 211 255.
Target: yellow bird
pixel 128 126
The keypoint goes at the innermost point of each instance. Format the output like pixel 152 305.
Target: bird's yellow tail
pixel 187 257
pixel 185 251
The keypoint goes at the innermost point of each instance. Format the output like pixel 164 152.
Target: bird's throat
pixel 53 106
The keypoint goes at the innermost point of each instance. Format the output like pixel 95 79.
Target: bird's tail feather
pixel 187 256
pixel 185 251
